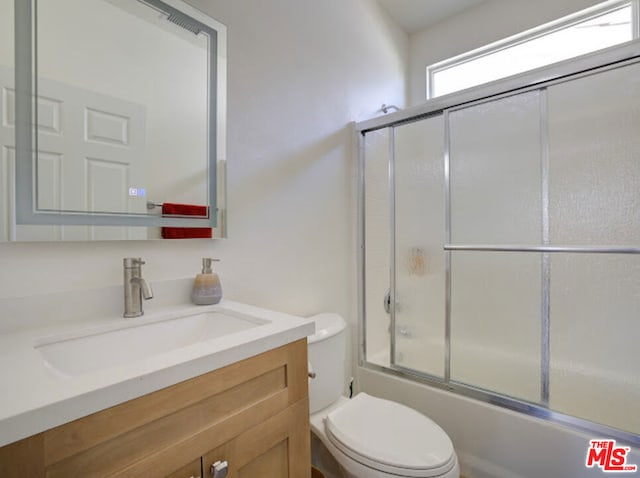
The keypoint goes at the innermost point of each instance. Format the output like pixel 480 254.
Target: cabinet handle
pixel 219 469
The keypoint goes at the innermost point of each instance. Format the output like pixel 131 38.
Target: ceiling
pixel 414 15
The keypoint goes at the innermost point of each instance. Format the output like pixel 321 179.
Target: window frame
pixel 532 34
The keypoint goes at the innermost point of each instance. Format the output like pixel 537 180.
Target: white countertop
pixel 34 397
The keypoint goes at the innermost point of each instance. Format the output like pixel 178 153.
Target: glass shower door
pixel 510 247
pixel 594 196
pixel 496 162
pixel 419 270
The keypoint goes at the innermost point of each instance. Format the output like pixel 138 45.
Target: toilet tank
pixel 327 354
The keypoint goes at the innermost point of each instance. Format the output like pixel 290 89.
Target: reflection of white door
pixel 6 155
pixel 91 154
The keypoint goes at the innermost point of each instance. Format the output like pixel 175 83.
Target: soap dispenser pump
pixel 206 287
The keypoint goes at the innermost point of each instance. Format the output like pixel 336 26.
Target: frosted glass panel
pixel 495 166
pixel 595 326
pixel 594 163
pixel 420 258
pixel 378 245
pixel 495 322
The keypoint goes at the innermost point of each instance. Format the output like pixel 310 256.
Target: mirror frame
pixel 27 134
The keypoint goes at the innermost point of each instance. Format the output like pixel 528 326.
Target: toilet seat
pixel 390 437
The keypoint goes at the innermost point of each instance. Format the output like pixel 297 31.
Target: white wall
pixel 490 21
pixel 299 72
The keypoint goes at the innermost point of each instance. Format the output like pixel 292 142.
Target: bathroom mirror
pixel 128 135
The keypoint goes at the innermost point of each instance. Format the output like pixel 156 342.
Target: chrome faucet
pixel 135 287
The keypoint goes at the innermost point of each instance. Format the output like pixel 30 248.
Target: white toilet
pixel 369 437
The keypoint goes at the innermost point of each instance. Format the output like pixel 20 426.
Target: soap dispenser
pixel 206 287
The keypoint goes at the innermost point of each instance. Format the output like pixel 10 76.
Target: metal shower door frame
pixel 541 79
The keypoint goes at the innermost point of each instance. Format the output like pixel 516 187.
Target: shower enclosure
pixel 500 243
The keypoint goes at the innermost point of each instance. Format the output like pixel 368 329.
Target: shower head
pixel 385 108
pixel 183 21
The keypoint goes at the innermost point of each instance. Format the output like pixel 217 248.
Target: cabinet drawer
pixel 278 447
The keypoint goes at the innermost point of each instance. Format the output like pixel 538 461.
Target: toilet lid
pixel 390 437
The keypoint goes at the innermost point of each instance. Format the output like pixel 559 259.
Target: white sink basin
pixel 131 340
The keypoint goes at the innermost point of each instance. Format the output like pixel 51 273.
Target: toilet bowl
pixel 369 437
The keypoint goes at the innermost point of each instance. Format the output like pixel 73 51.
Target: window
pixel 604 25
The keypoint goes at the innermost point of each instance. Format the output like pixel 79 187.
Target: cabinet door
pixel 278 447
pixel 192 470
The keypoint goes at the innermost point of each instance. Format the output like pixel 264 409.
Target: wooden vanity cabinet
pixel 254 414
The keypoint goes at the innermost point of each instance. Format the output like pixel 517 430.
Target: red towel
pixel 173 209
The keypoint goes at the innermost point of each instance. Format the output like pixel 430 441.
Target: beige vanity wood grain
pixel 277 447
pixel 159 433
pixel 282 443
pixel 23 458
pixel 192 470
